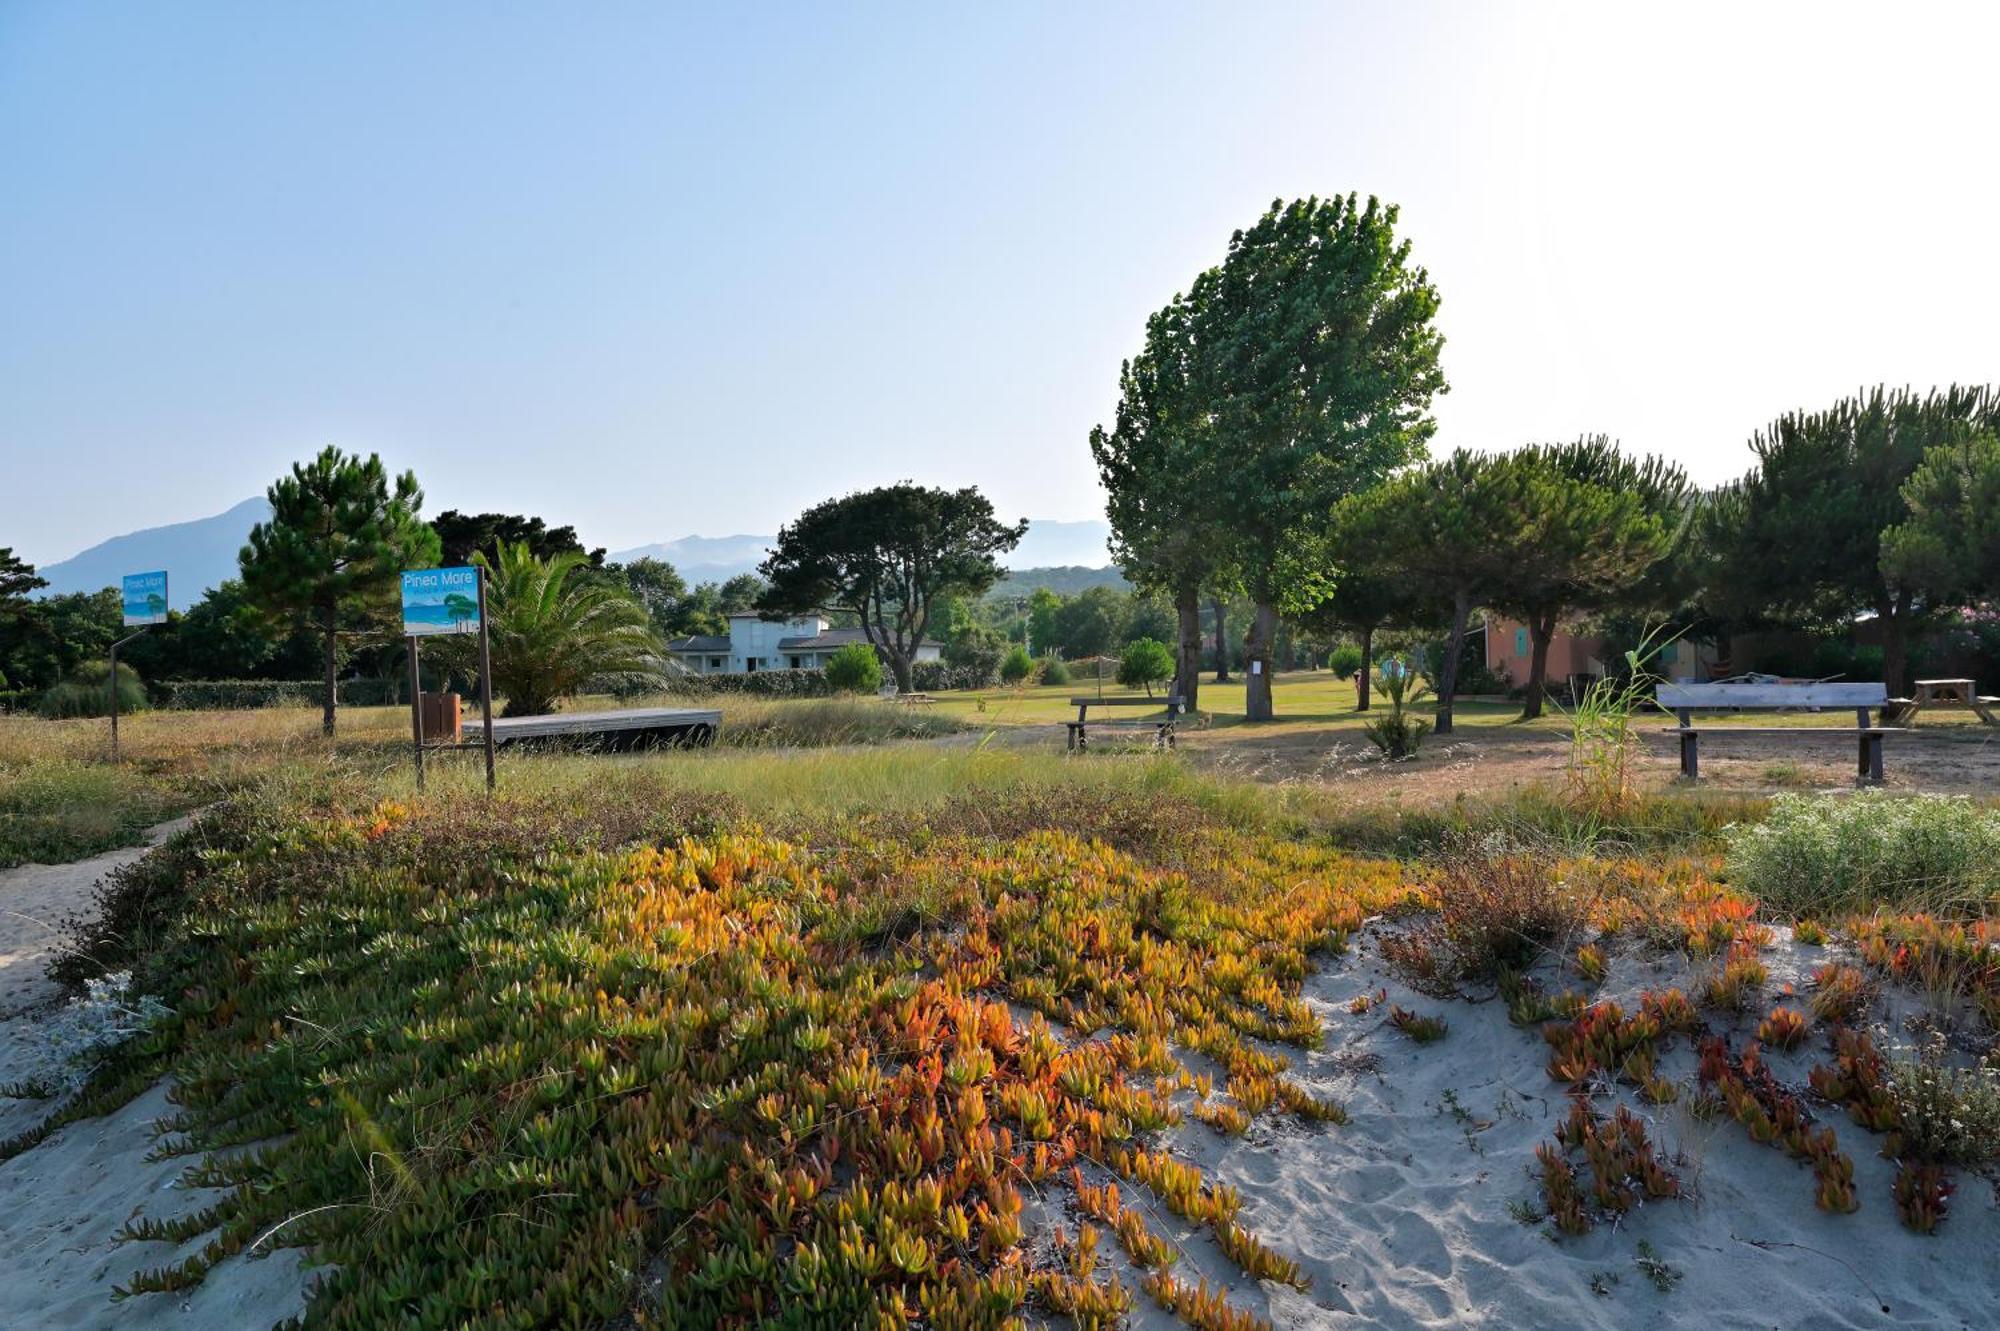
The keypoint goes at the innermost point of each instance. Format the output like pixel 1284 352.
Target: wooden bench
pixel 1683 700
pixel 1163 728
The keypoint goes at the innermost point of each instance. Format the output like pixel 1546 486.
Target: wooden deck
pixel 629 728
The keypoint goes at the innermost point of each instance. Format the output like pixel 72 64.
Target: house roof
pixel 828 639
pixel 698 643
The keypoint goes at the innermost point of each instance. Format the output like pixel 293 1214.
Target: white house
pixel 754 643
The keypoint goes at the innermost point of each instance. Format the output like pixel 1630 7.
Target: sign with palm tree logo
pixel 145 596
pixel 440 600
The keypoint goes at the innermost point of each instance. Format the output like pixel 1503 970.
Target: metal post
pixel 416 713
pixel 485 681
pixel 114 690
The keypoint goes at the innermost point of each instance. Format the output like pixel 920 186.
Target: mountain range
pixel 200 554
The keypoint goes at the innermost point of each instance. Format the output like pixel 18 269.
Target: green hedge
pixel 214 695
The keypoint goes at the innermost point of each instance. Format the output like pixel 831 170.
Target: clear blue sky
pixel 656 270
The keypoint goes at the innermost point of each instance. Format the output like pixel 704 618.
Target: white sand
pixel 1401 1217
pixel 62 1202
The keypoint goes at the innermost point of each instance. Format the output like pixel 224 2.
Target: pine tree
pixel 337 542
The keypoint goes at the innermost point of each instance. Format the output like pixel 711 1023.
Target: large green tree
pixel 1315 360
pixel 1448 530
pixel 339 536
pixel 1596 522
pixel 1828 484
pixel 887 556
pixel 461 535
pixel 553 632
pixel 1949 545
pixel 1152 462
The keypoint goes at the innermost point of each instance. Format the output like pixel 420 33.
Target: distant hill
pixel 1048 547
pixel 703 558
pixel 1065 580
pixel 196 555
pixel 1063 556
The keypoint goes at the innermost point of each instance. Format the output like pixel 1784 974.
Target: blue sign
pixel 440 600
pixel 145 598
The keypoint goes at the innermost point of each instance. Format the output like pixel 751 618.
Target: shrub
pixel 1499 909
pixel 1946 1115
pixel 1146 662
pixel 855 668
pixel 1053 670
pixel 939 676
pixel 1016 666
pixel 87 692
pixel 1826 855
pixel 245 694
pixel 1397 734
pixel 1345 661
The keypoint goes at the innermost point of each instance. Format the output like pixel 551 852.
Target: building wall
pixel 1510 654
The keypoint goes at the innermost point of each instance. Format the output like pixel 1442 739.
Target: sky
pixel 656 270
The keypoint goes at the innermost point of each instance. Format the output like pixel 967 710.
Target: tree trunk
pixel 899 666
pixel 1187 662
pixel 1541 630
pixel 1221 639
pixel 1257 684
pixel 1461 612
pixel 1896 645
pixel 1366 674
pixel 329 662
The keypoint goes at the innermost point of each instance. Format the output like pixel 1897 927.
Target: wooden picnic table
pixel 1161 726
pixel 1948 693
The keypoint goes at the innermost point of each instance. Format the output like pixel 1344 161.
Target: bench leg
pixel 1868 771
pixel 1690 756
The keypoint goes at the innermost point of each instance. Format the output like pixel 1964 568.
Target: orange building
pixel 1510 653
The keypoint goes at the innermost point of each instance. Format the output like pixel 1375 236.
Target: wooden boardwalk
pixel 628 728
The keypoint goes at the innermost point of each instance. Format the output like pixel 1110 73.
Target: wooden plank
pixel 1835 694
pixel 578 725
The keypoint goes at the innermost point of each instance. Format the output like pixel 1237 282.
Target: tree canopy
pixel 1949 545
pixel 1315 360
pixel 337 541
pixel 461 535
pixel 887 555
pixel 1808 543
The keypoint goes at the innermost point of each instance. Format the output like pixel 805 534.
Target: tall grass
pixel 1602 739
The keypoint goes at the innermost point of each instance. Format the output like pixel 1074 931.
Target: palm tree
pixel 551 637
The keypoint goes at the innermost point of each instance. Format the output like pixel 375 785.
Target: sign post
pixel 447 600
pixel 144 597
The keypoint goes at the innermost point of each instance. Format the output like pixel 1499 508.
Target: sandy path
pixel 63 1202
pixel 34 900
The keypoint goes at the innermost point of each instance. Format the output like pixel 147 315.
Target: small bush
pixel 855 668
pixel 87 692
pixel 1822 856
pixel 1054 671
pixel 1017 666
pixel 1499 909
pixel 1946 1115
pixel 1345 661
pixel 1146 662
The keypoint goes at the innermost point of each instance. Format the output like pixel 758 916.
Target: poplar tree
pixel 338 539
pixel 1315 359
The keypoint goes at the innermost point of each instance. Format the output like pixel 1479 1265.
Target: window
pixel 715 663
pixel 749 665
pixel 795 663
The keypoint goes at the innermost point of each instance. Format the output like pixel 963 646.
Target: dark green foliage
pixel 1345 661
pixel 1315 360
pixel 333 551
pixel 1807 537
pixel 661 589
pixel 855 668
pixel 1054 671
pixel 87 692
pixel 1144 663
pixel 1016 667
pixel 1950 543
pixel 887 556
pixel 462 535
